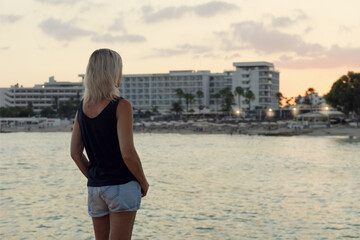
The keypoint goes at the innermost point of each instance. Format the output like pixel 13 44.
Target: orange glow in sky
pixel 311 43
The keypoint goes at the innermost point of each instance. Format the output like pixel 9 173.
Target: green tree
pixel 217 96
pixel 139 113
pixel 29 110
pixel 154 110
pixel 200 95
pixel 56 103
pixel 180 94
pixel 227 98
pixel 16 112
pixel 309 97
pixel 147 113
pixel 176 107
pixel 249 96
pixel 67 109
pixel 345 93
pixel 48 112
pixel 189 98
pixel 239 91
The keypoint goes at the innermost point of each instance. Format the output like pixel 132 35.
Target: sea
pixel 201 187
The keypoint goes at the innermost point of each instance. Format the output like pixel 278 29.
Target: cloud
pixel 282 22
pixel 62 31
pixel 255 36
pixel 58 2
pixel 286 58
pixel 300 15
pixel 163 14
pixel 118 25
pixel 344 29
pixel 232 57
pixel 333 57
pixel 228 44
pixel 180 50
pixel 5 48
pixel 203 10
pixel 108 38
pixel 91 6
pixel 9 18
pixel 212 8
pixel 308 29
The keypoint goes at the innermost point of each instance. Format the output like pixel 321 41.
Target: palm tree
pixel 217 96
pixel 180 93
pixel 176 107
pixel 227 99
pixel 309 94
pixel 200 95
pixel 189 98
pixel 56 104
pixel 154 110
pixel 280 97
pixel 239 91
pixel 249 96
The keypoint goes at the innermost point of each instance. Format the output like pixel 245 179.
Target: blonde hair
pixel 103 76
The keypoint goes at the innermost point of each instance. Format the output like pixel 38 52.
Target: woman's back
pixel 92 110
pixel 98 126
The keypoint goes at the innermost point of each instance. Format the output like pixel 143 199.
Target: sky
pixel 311 42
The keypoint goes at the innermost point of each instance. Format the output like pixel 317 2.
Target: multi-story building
pixel 145 91
pixel 43 95
pixel 149 90
pixel 217 82
pixel 314 99
pixel 261 79
pixel 2 96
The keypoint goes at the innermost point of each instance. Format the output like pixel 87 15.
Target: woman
pixel 103 125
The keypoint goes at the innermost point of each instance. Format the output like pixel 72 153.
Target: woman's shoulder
pixel 124 106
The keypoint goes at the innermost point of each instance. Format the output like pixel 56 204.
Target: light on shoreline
pixel 270 113
pixel 237 112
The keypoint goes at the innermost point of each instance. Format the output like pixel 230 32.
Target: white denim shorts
pixel 115 198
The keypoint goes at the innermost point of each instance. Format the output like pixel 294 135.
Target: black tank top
pixel 100 139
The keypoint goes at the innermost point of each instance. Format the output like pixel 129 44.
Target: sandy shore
pixel 66 128
pixel 213 128
pixel 251 129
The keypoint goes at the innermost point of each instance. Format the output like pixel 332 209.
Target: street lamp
pixel 270 113
pixel 237 112
pixel 294 112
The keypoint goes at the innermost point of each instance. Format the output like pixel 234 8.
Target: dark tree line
pixel 60 109
pixel 345 93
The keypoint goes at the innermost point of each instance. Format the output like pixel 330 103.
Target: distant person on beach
pixel 103 126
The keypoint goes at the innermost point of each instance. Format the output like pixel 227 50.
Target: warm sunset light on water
pixel 310 47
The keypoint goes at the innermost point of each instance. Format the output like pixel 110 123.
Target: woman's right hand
pixel 144 188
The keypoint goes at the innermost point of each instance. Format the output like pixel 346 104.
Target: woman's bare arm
pixel 125 134
pixel 77 149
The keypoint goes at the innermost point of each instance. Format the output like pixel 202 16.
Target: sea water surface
pixel 202 187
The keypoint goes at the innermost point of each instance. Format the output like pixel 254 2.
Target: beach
pixel 193 127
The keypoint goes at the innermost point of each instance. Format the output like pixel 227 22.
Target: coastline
pixel 252 129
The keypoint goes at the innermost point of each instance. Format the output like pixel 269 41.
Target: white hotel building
pixel 148 90
pixel 261 79
pixel 42 95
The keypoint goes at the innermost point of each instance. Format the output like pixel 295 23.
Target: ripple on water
pixel 202 187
